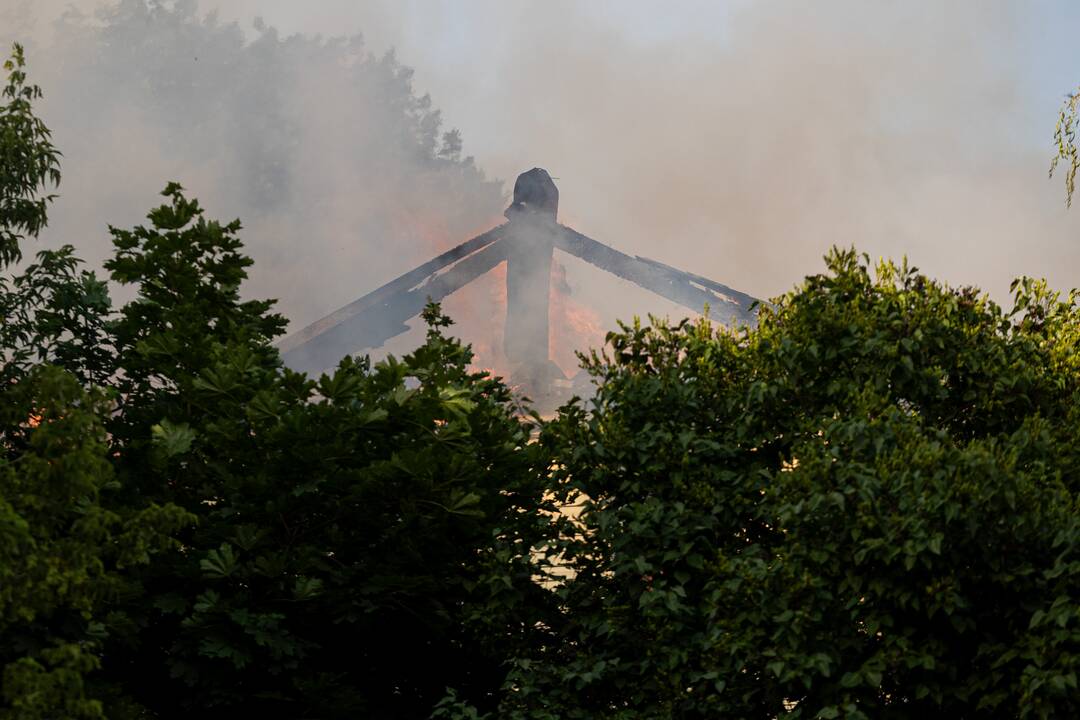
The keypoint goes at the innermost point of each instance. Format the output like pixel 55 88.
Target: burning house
pixel 526 244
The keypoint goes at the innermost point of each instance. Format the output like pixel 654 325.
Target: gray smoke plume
pixel 342 175
pixel 737 141
pixel 741 140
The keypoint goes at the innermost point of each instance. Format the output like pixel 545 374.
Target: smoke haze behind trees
pixel 738 142
pixel 342 175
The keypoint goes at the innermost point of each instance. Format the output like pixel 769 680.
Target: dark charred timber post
pixel 530 242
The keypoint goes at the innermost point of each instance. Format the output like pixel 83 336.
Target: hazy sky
pixel 740 140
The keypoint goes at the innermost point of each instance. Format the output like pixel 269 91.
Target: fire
pixel 479 309
pixel 572 326
pixel 479 313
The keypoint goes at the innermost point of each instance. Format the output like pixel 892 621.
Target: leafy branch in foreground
pixel 29 162
pixel 1065 143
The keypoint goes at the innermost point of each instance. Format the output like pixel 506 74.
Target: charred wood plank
pixel 381 315
pixel 739 298
pixel 691 291
pixel 382 294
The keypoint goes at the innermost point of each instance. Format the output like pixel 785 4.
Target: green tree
pixel 365 539
pixel 187 527
pixel 28 162
pixel 66 544
pixel 65 540
pixel 53 311
pixel 864 507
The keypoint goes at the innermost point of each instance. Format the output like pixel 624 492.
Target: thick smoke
pixel 342 175
pixel 738 143
pixel 742 140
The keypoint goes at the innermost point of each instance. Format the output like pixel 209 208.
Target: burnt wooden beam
pixel 396 286
pixel 734 296
pixel 691 291
pixel 381 314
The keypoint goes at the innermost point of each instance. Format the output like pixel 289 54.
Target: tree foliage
pixel 67 542
pixel 28 161
pixel 1065 144
pixel 863 507
pixel 172 57
pixel 190 528
pixel 382 514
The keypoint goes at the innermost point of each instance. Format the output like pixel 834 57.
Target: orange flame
pixel 572 326
pixel 479 309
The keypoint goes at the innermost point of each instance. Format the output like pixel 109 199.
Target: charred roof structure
pixel 526 243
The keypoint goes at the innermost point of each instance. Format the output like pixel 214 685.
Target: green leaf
pixel 172 439
pixel 307 588
pixel 463 504
pixel 219 563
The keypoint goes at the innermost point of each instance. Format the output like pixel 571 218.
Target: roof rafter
pixel 373 319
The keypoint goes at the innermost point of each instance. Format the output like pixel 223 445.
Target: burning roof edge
pixel 376 317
